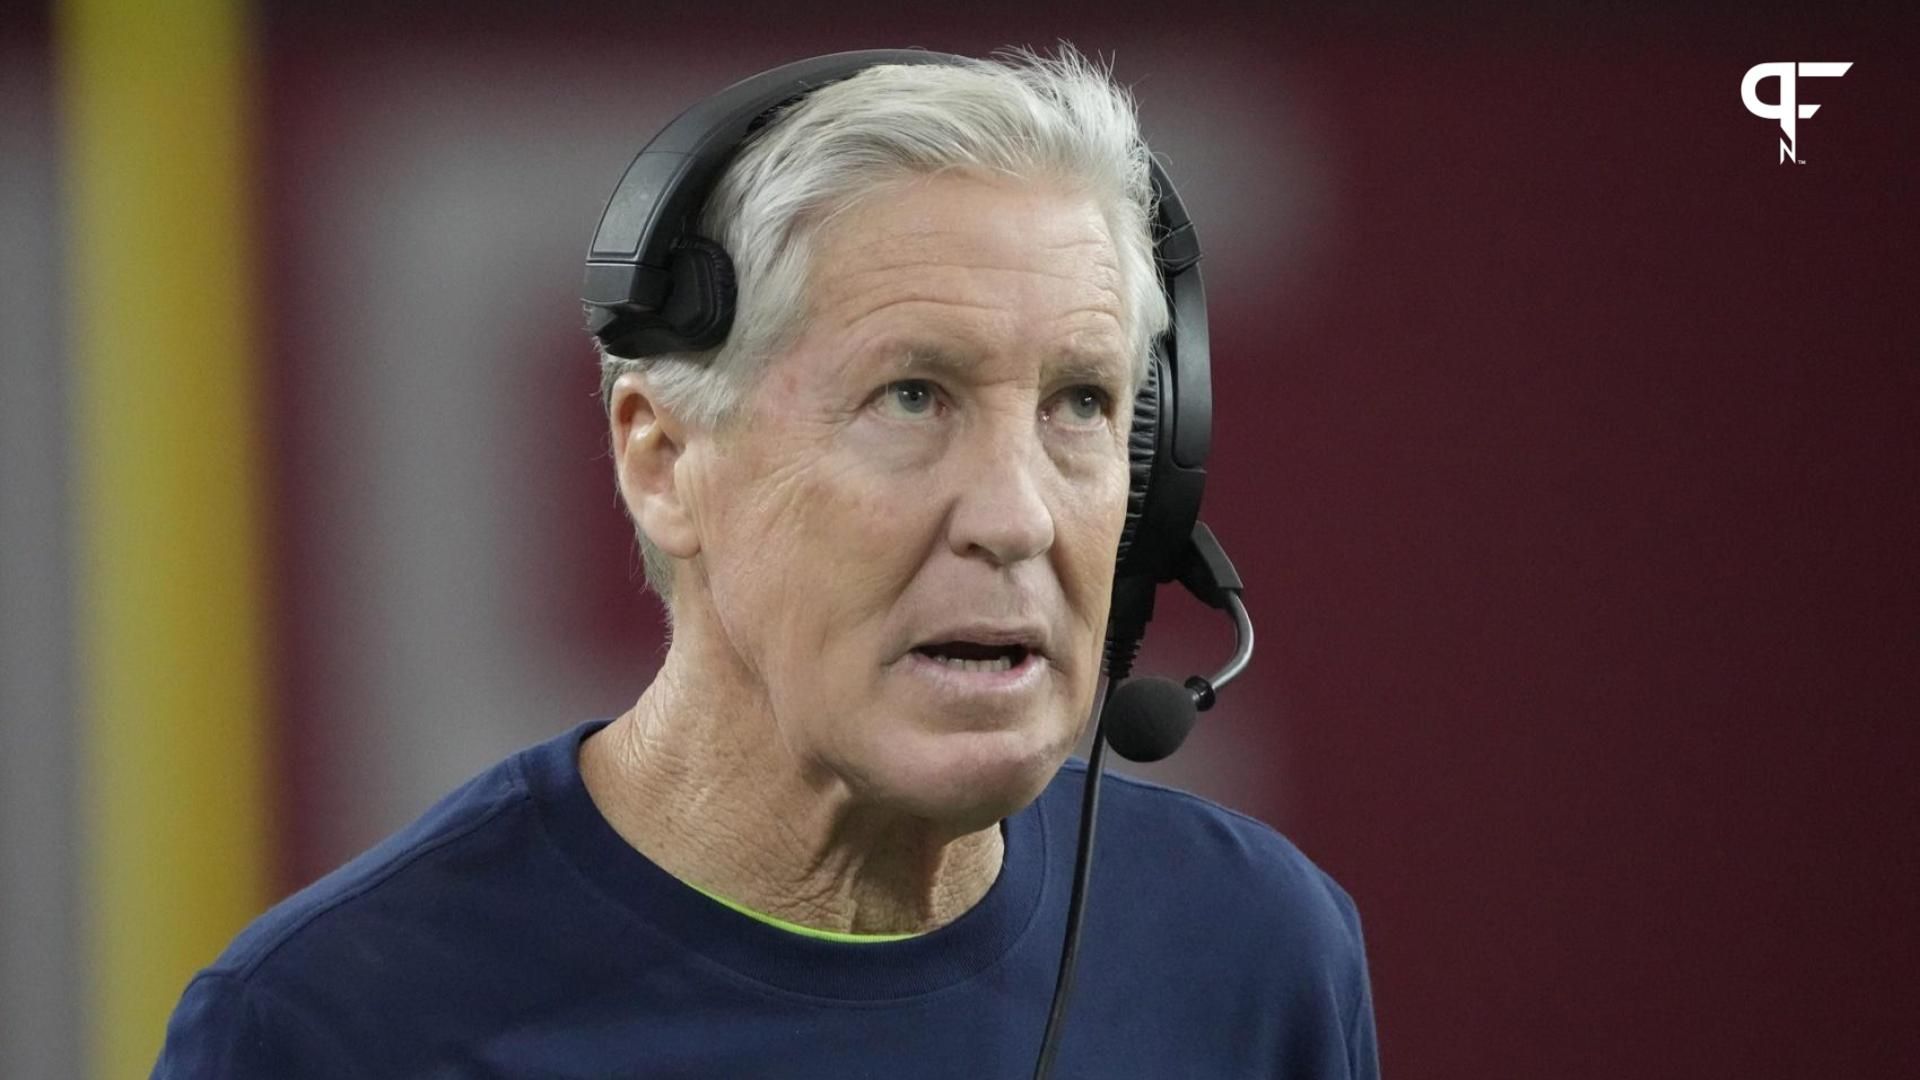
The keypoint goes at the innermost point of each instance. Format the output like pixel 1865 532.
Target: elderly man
pixel 834 837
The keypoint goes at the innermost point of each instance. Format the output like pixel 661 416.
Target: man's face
pixel 909 540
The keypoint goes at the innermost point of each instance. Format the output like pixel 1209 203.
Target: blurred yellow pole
pixel 169 455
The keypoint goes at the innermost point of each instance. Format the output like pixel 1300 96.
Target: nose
pixel 1001 514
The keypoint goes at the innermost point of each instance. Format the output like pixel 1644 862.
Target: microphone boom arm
pixel 1208 574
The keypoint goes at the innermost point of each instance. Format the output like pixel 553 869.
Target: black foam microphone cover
pixel 1148 718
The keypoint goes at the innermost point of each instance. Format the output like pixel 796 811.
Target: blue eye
pixel 1083 405
pixel 910 397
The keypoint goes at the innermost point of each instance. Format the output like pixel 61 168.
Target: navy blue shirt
pixel 511 932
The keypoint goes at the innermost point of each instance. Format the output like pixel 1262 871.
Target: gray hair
pixel 1060 119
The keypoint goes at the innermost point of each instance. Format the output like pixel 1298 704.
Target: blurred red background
pixel 1565 438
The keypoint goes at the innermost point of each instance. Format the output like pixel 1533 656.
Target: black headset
pixel 653 286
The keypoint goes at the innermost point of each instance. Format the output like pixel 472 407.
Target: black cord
pixel 1082 868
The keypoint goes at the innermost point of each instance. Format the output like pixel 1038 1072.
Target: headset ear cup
pixel 1143 441
pixel 699 309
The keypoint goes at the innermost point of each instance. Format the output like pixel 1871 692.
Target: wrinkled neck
pixel 697 777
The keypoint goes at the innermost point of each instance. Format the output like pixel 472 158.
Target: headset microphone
pixel 1146 719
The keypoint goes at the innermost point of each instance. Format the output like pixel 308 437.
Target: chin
pixel 969 780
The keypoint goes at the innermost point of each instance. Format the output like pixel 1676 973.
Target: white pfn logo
pixel 1788 109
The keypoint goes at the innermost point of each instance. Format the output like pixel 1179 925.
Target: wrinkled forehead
pixel 942 275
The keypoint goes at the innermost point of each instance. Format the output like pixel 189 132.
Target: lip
pixel 951 682
pixel 1030 636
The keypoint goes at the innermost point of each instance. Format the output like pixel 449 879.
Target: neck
pixel 697 778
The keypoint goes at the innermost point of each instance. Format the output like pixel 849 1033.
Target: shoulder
pixel 224 1027
pixel 342 953
pixel 473 815
pixel 1222 863
pixel 1254 935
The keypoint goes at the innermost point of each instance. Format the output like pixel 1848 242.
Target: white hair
pixel 1057 119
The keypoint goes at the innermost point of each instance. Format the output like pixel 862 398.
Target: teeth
pixel 1003 663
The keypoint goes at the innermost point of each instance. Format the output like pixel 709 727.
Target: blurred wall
pixel 1564 437
pixel 39 828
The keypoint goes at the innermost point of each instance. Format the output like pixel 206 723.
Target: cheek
pixel 818 550
pixel 1093 515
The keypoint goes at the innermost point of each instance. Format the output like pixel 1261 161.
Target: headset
pixel 654 285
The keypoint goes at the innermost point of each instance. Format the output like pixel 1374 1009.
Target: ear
pixel 647 442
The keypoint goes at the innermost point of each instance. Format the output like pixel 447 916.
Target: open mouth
pixel 973 656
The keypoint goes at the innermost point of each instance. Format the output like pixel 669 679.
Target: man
pixel 834 836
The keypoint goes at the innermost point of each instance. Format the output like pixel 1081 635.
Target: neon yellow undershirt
pixel 796 928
